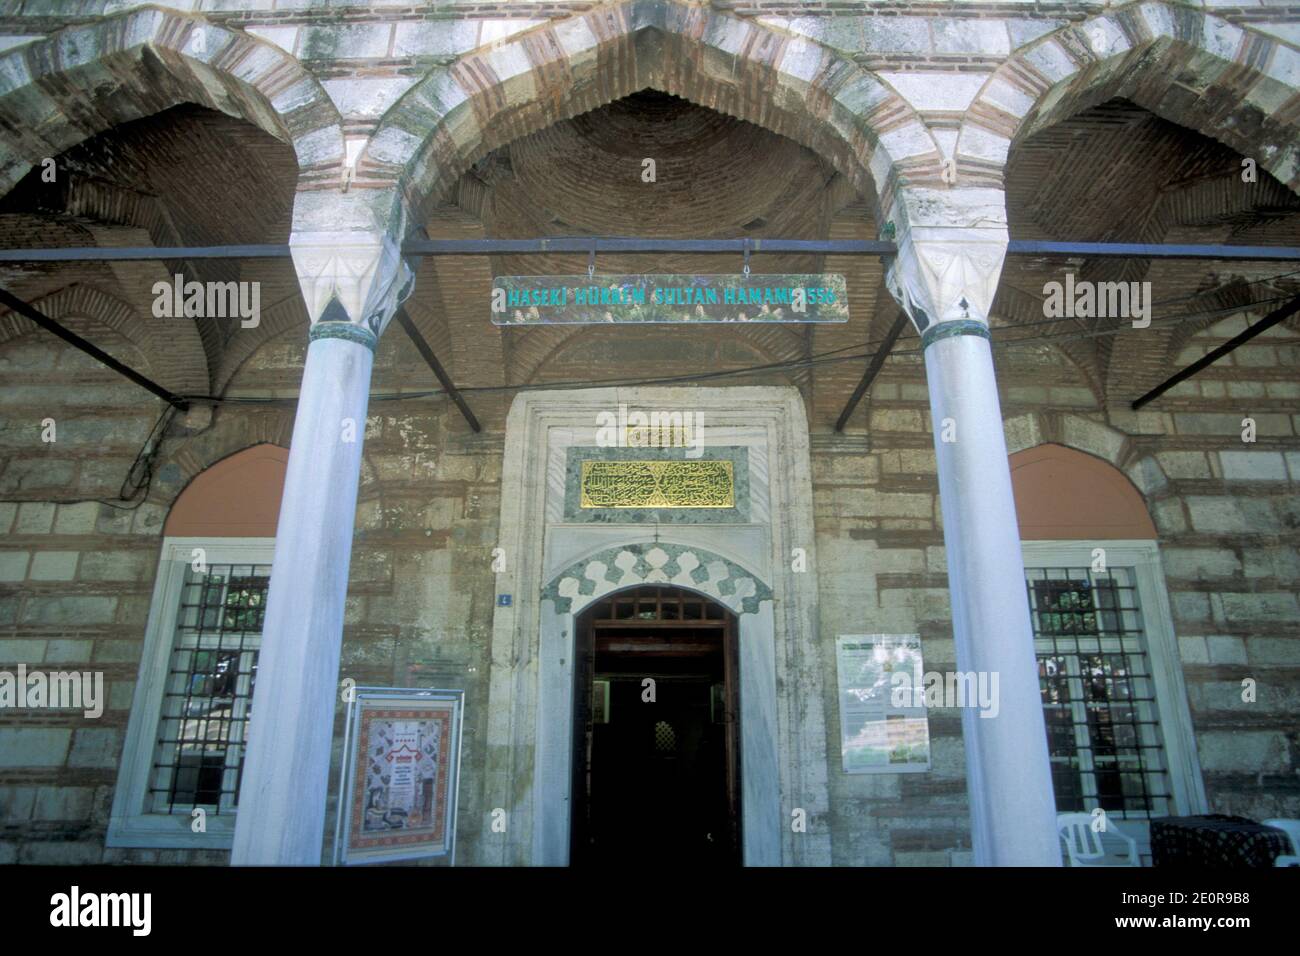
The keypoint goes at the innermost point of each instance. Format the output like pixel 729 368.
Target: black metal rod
pixel 873 369
pixel 439 372
pixel 1139 250
pixel 99 355
pixel 1263 325
pixel 615 244
pixel 137 253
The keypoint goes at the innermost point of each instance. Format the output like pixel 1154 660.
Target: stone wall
pixel 1228 517
pixel 76 579
pixel 76 575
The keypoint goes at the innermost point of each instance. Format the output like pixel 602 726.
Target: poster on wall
pixel 881 731
pixel 401 761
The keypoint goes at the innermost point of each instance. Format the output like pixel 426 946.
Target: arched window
pixel 183 758
pixel 1118 728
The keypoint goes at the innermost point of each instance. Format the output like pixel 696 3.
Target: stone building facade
pixel 341 130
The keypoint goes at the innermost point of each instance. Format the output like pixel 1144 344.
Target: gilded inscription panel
pixel 658 484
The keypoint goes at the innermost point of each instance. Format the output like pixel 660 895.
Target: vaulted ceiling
pixel 193 177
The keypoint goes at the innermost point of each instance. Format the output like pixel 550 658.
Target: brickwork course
pixel 239 121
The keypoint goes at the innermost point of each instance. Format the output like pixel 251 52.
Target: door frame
pixel 549 574
pixel 584 631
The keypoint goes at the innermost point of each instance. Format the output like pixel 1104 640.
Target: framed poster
pixel 883 724
pixel 401 764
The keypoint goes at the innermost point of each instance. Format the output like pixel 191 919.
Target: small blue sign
pixel 504 600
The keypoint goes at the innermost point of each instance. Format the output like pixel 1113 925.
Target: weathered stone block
pixel 16 804
pixel 22 651
pixel 1193 649
pixel 13 565
pixel 34 746
pixel 1243 751
pixel 1200 562
pixel 54 566
pixel 1190 606
pixel 76 518
pixel 116 565
pixel 1230 515
pixel 96 747
pixel 69 609
pixel 1253 465
pixel 1258 607
pixel 34 517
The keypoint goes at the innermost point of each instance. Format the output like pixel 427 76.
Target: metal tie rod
pixel 580 244
pixel 1263 325
pixel 29 311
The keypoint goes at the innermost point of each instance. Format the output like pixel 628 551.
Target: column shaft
pixel 281 816
pixel 1013 813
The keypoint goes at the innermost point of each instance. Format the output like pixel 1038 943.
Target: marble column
pixel 352 283
pixel 945 278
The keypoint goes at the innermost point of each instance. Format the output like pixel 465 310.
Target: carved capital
pixel 353 277
pixel 947 274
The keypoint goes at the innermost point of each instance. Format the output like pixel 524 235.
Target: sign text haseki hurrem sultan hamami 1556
pixel 654 299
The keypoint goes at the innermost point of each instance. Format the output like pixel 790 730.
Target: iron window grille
pixel 1099 703
pixel 207 700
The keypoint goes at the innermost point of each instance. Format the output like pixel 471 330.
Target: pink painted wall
pixel 1066 494
pixel 238 497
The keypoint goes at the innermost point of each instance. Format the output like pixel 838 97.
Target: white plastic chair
pixel 1084 844
pixel 1292 829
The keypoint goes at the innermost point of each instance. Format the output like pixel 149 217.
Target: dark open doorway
pixel 659 776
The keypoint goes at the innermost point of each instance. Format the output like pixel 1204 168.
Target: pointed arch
pixel 1229 82
pixel 237 497
pixel 1064 494
pixel 84 79
pixel 786 83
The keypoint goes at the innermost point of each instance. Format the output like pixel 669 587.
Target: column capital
pixel 346 249
pixel 951 244
pixel 947 275
pixel 352 281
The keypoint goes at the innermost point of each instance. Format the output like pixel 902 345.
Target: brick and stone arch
pixel 786 83
pixel 285 317
pixel 178 363
pixel 84 79
pixel 1092 437
pixel 1014 307
pixel 686 566
pixel 1230 82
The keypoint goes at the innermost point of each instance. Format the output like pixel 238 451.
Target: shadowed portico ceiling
pixel 714 176
pixel 185 176
pixel 192 176
pixel 1117 173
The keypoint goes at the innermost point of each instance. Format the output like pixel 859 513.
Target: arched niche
pixel 238 497
pixel 1063 494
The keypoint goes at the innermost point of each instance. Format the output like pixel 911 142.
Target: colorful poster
pixel 402 760
pixel 655 299
pixel 883 725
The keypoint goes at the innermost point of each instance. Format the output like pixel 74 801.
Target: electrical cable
pixel 140 475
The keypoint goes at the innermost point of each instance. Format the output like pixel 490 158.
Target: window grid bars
pixel 1098 694
pixel 207 700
